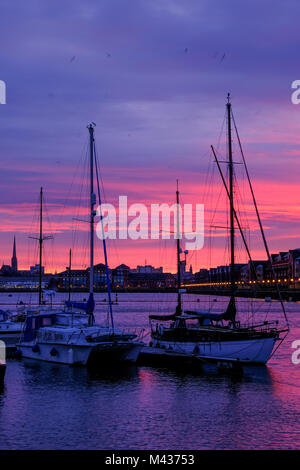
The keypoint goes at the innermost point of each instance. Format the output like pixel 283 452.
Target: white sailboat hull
pixel 256 351
pixel 64 353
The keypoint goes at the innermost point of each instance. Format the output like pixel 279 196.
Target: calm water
pixel 45 406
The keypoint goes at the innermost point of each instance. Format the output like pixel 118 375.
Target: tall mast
pixel 230 165
pixel 41 239
pixel 92 204
pixel 70 266
pixel 179 309
pixel 41 246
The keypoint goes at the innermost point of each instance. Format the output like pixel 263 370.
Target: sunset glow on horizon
pixel 158 99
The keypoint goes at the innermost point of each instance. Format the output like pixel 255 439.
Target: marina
pixel 208 335
pixel 172 339
pixel 53 406
pixel 150 231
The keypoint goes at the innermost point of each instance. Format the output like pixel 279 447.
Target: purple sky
pixel 154 76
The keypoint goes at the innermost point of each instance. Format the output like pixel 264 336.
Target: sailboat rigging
pixel 11 324
pixel 179 306
pixel 104 245
pixel 219 336
pixel 69 274
pixel 72 336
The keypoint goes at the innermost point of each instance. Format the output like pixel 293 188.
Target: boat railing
pixel 262 327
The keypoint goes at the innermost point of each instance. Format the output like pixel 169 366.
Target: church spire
pixel 14 261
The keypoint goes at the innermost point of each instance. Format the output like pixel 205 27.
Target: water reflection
pixel 117 374
pixel 60 374
pixel 52 406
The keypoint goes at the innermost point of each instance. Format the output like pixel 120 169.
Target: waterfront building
pixel 35 270
pixel 120 276
pixel 147 269
pixel 76 278
pixel 152 280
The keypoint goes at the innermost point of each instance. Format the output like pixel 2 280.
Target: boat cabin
pixel 59 320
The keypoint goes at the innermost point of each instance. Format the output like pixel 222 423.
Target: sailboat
pixel 12 322
pixel 219 337
pixel 72 336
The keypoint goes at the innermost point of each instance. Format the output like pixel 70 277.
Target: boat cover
pixel 86 306
pixel 206 315
pixel 229 314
